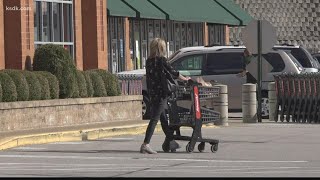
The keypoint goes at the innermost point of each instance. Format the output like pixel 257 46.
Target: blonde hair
pixel 157 48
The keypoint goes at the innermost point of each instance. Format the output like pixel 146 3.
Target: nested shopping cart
pixel 195 116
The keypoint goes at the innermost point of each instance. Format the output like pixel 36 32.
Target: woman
pixel 158 99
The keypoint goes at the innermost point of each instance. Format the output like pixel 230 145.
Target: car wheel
pixel 145 107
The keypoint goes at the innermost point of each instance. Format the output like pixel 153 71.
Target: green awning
pixel 119 8
pixel 145 9
pixel 197 11
pixel 236 10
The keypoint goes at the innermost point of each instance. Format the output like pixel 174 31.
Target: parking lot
pixel 246 150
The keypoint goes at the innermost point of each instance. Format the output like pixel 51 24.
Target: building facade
pixel 111 34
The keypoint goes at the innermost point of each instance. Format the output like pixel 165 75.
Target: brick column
pixel 2 62
pixel 94 34
pixel 227 37
pixel 78 34
pixel 18 33
pixel 205 34
pixel 129 65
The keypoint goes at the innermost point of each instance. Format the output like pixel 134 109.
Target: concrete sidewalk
pixel 88 133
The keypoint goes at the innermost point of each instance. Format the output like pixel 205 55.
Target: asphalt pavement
pixel 265 149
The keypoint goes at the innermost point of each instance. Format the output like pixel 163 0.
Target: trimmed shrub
pixel 76 93
pixel 97 84
pixel 34 85
pixel 82 86
pixel 21 83
pixel 45 89
pixel 0 92
pixel 9 92
pixel 90 90
pixel 53 83
pixel 56 60
pixel 111 82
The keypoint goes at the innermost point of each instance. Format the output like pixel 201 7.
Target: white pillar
pixel 249 103
pixel 220 104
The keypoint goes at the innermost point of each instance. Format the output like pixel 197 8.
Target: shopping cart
pixel 195 116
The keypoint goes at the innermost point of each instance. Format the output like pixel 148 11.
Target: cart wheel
pixel 214 148
pixel 188 148
pixel 201 147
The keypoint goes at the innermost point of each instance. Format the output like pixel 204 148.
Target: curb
pixel 80 135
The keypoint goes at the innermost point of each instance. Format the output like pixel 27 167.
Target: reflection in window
pixel 224 63
pixel 57 31
pixel 46 17
pixel 189 63
pixel 53 22
pixel 216 34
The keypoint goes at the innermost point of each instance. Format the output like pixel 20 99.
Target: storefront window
pixel 176 34
pixel 116 52
pixel 53 23
pixel 216 34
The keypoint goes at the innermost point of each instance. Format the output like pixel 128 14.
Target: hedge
pixel 82 86
pixel 34 85
pixel 21 83
pixel 53 83
pixel 56 60
pixel 110 82
pixel 98 84
pixel 76 93
pixel 9 92
pixel 45 89
pixel 90 90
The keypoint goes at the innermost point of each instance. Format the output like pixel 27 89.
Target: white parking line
pixel 137 158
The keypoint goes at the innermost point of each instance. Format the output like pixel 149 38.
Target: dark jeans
pixel 158 112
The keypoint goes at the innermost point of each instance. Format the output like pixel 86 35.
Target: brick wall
pixel 94 34
pixel 78 34
pixel 296 21
pixel 27 33
pixel 35 115
pixel 2 62
pixel 18 33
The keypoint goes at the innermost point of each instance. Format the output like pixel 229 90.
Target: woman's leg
pixel 157 109
pixel 150 130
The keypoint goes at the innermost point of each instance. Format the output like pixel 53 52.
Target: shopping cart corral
pixel 193 117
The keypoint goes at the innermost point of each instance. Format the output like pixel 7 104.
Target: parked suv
pixel 317 56
pixel 302 55
pixel 222 64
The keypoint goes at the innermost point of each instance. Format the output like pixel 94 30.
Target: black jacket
pixel 153 75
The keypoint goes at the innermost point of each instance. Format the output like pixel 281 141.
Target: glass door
pixel 114 55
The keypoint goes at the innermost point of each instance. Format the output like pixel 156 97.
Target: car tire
pixel 145 107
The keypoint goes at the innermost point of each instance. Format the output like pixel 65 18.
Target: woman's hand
pixel 181 77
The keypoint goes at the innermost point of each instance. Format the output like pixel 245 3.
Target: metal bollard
pixel 249 103
pixel 272 96
pixel 220 104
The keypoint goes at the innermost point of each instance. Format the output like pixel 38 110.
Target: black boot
pixel 170 145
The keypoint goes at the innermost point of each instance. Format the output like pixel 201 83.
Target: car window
pixel 224 63
pixel 275 60
pixel 189 65
pixel 173 55
pixel 300 55
pixel 295 61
